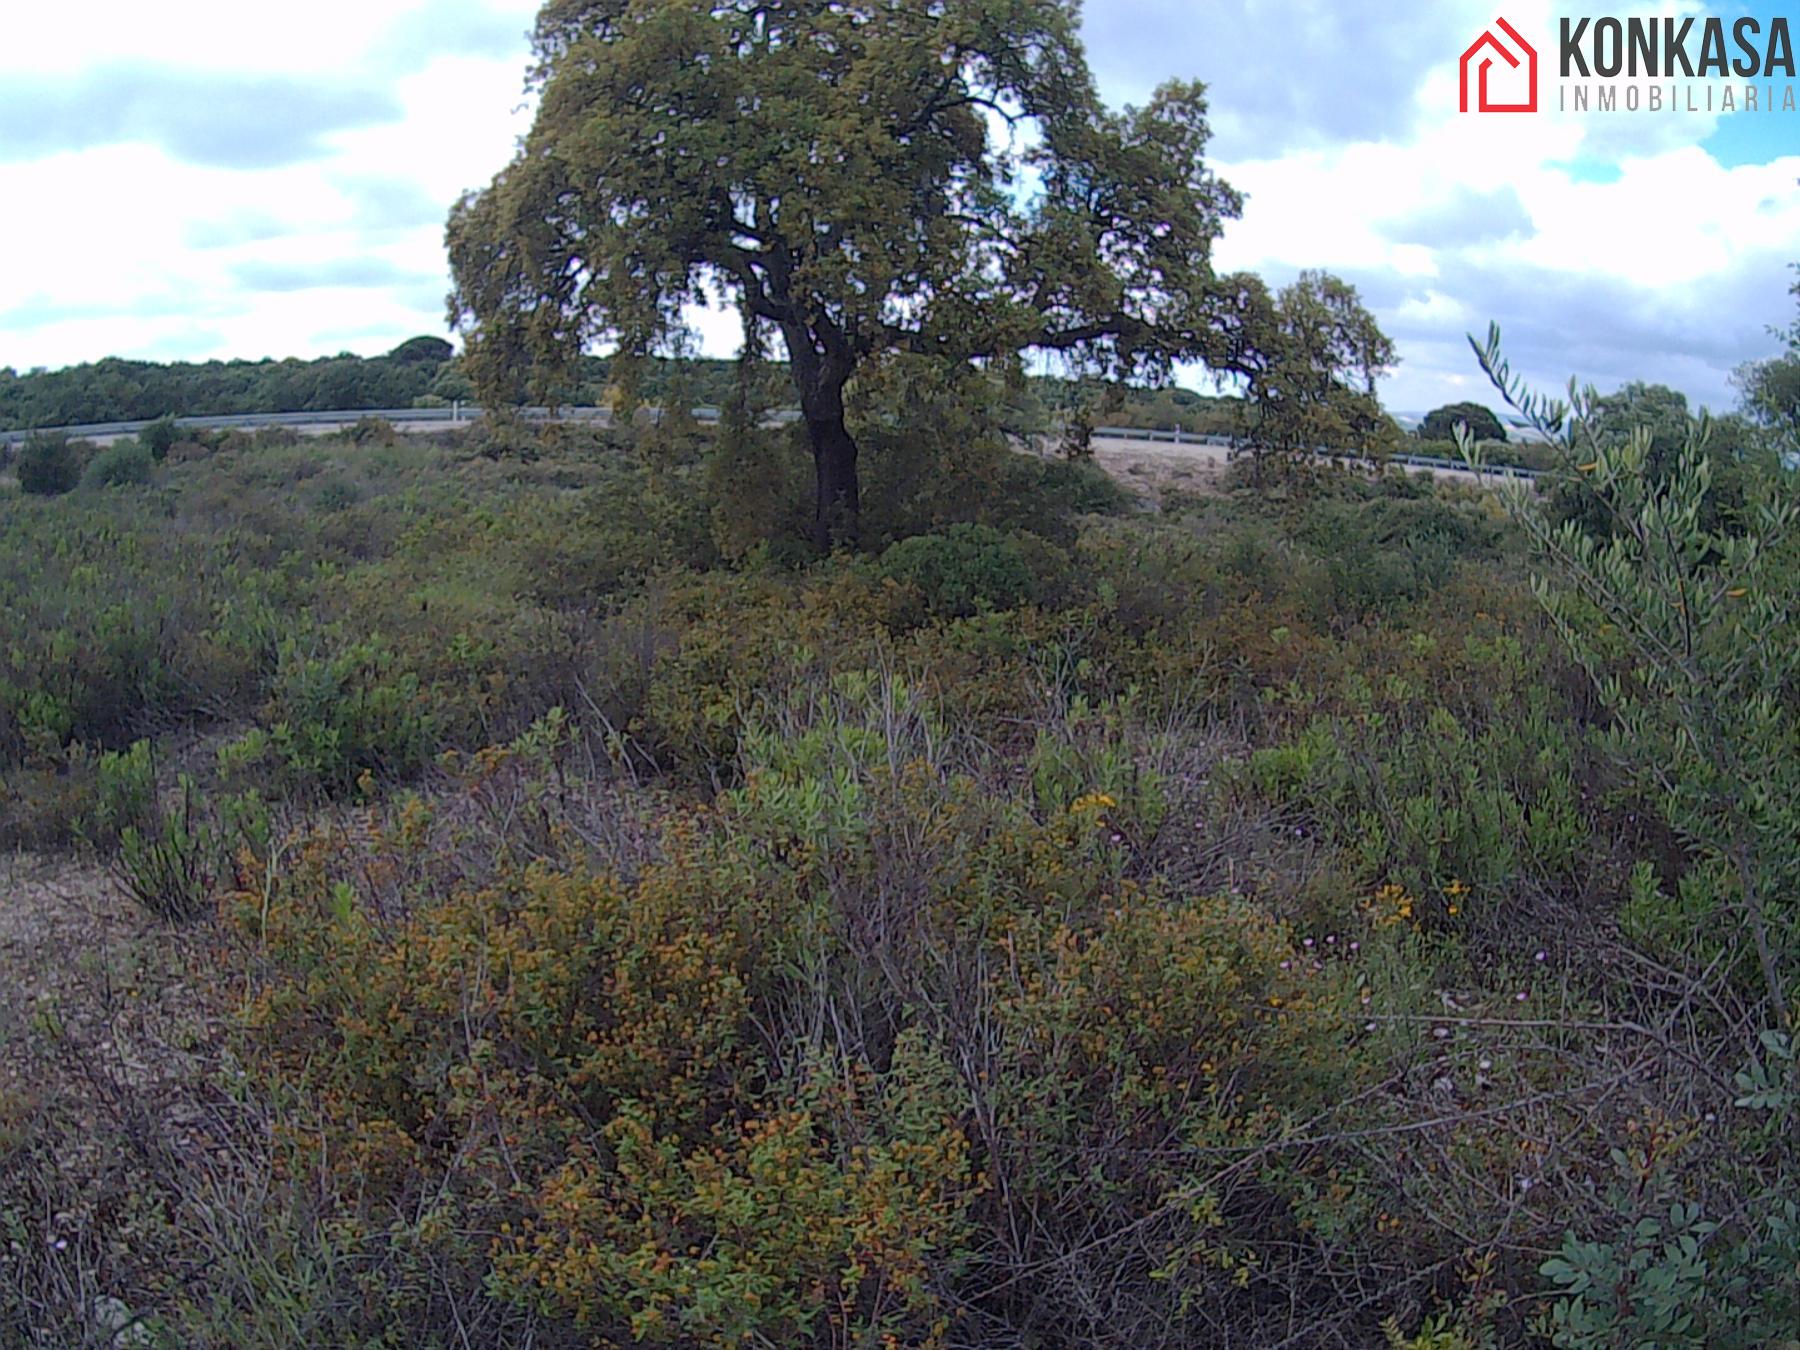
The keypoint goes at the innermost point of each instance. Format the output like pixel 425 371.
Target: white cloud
pixel 138 250
pixel 1339 122
pixel 1670 272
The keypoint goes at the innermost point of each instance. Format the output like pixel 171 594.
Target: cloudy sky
pixel 206 178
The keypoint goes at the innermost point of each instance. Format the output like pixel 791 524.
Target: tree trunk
pixel 837 507
pixel 821 364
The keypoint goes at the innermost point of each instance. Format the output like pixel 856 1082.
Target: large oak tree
pixel 923 176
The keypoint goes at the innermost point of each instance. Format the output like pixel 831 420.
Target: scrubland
pixel 506 891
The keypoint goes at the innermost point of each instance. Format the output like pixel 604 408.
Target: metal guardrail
pixel 457 415
pixel 241 421
pixel 1432 462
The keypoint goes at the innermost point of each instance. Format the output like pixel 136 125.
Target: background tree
pixel 1440 423
pixel 1771 388
pixel 1311 381
pixel 114 390
pixel 49 464
pixel 1659 415
pixel 937 180
pixel 424 350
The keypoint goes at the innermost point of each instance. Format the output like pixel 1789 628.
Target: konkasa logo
pixel 1702 64
pixel 1520 73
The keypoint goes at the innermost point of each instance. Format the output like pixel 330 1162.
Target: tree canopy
pixel 1483 424
pixel 859 180
pixel 422 351
pixel 1772 387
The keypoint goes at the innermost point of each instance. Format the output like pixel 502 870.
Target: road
pixel 1163 458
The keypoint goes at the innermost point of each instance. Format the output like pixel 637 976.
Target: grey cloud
pixel 215 119
pixel 1602 331
pixel 1465 218
pixel 1281 74
pixel 356 272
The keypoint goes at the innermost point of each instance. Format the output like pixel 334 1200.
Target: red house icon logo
pixel 1480 59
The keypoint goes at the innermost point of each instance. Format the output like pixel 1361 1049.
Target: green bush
pixel 1669 1277
pixel 49 465
pixel 372 431
pixel 159 436
pixel 335 494
pixel 967 569
pixel 125 793
pixel 333 718
pixel 122 464
pixel 1386 553
pixel 172 867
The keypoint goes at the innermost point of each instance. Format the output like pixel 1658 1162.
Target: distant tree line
pixel 420 372
pixel 115 390
pixel 426 372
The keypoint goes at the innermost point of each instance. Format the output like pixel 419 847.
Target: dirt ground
pixel 96 1003
pixel 1152 466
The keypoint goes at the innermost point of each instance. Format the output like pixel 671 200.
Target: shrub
pixel 159 437
pixel 333 718
pixel 277 437
pixel 335 494
pixel 759 1090
pixel 1688 632
pixel 122 464
pixel 42 809
pixel 170 868
pixel 125 793
pixel 966 569
pixel 372 431
pixel 1386 553
pixel 1037 491
pixel 49 465
pixel 1668 1276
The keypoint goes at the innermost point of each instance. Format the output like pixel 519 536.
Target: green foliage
pixel 1688 632
pixel 1669 1277
pixel 1735 452
pixel 1440 424
pixel 732 1096
pixel 333 718
pixel 48 464
pixel 967 569
pixel 159 437
pixel 335 494
pixel 116 390
pixel 1314 388
pixel 372 431
pixel 631 195
pixel 1207 927
pixel 1771 388
pixel 1387 553
pixel 125 463
pixel 422 351
pixel 125 792
pixel 173 866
